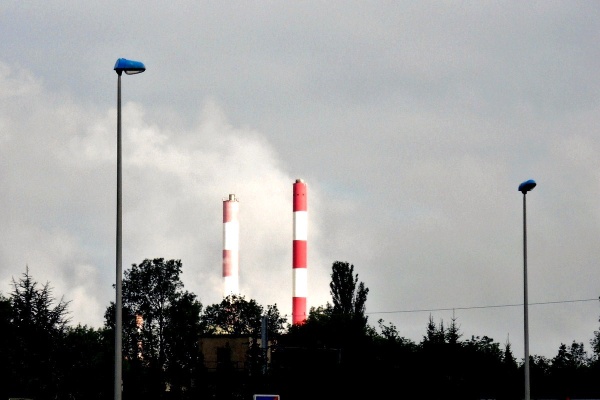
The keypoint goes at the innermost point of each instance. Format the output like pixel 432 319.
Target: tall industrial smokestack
pixel 231 241
pixel 299 265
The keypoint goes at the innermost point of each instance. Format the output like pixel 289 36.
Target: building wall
pixel 228 351
pixel 224 351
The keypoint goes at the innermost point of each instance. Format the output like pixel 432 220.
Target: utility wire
pixel 476 307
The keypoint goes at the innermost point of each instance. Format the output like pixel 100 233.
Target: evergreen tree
pixel 509 375
pixel 452 334
pixel 8 355
pixel 435 335
pixel 37 325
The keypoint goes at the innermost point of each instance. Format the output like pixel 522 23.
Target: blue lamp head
pixel 527 186
pixel 130 67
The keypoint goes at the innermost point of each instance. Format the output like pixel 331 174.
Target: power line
pixel 477 307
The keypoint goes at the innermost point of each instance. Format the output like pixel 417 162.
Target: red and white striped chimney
pixel 299 256
pixel 231 241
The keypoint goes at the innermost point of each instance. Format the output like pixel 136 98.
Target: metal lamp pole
pixel 524 188
pixel 129 67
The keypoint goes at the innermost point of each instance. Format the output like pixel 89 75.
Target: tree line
pixel 336 353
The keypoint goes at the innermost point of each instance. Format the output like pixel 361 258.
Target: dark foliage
pixel 335 353
pixel 161 328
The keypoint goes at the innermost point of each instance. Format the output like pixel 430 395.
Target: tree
pixel 37 325
pixel 433 359
pixel 181 343
pixel 509 373
pixel 389 332
pixel 86 363
pixel 315 331
pixel 335 339
pixel 275 321
pixel 571 357
pixel 595 343
pixel 33 306
pixel 481 367
pixel 7 353
pixel 237 316
pixel 349 296
pixel 343 324
pixel 160 321
pixel 568 372
pixel 394 350
pixel 508 358
pixel 453 334
pixel 434 335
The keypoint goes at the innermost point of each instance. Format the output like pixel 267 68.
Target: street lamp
pixel 524 188
pixel 129 67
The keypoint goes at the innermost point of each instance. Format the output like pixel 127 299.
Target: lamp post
pixel 524 188
pixel 130 68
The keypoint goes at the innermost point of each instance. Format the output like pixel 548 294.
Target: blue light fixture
pixel 527 186
pixel 130 67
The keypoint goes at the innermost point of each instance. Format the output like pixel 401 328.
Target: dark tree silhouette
pixel 595 343
pixel 237 316
pixel 161 327
pixel 37 323
pixel 349 296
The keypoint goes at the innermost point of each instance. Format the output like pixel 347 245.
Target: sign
pixel 266 397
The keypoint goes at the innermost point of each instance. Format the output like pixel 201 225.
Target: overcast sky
pixel 412 123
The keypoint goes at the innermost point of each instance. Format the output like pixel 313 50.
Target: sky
pixel 411 122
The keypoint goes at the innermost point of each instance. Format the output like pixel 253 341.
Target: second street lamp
pixel 129 67
pixel 524 188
